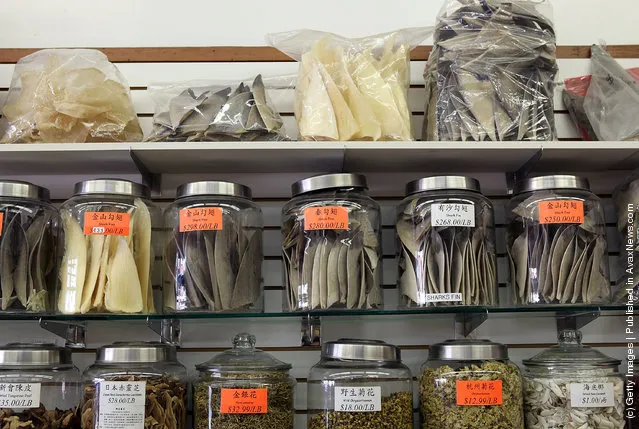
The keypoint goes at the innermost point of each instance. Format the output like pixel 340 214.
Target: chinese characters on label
pixel 328 217
pixel 244 401
pixel 358 399
pixel 592 395
pixel 19 395
pixel 479 392
pixel 107 223
pixel 121 404
pixel 561 211
pixel 201 219
pixel 453 215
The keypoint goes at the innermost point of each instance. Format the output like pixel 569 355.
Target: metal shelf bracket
pixel 575 320
pixel 466 323
pixel 311 332
pixel 513 178
pixel 150 179
pixel 73 333
pixel 169 330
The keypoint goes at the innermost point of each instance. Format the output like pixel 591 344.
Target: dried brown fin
pixel 21 273
pixel 354 269
pixel 224 247
pixel 333 275
pixel 209 244
pixel 7 264
pixel 197 267
pixel 247 284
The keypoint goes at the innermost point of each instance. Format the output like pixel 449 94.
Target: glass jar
pixel 332 251
pixel 244 388
pixel 557 243
pixel 360 384
pixel 446 244
pixel 218 267
pixel 470 384
pixel 39 387
pixel 135 385
pixel 28 235
pixel 572 385
pixel 632 396
pixel 108 227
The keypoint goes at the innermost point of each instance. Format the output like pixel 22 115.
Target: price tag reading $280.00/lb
pixel 358 399
pixel 107 223
pixel 19 395
pixel 326 217
pixel 561 211
pixel 201 219
pixel 244 401
pixel 479 392
pixel 121 404
pixel 592 395
pixel 453 215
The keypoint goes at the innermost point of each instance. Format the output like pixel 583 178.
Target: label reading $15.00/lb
pixel 592 395
pixel 19 395
pixel 107 223
pixel 453 215
pixel 201 219
pixel 358 399
pixel 561 211
pixel 479 392
pixel 244 401
pixel 121 404
pixel 326 217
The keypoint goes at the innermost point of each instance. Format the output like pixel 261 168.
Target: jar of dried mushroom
pixel 360 384
pixel 446 244
pixel 244 388
pixel 213 249
pixel 572 385
pixel 470 384
pixel 39 387
pixel 108 258
pixel 28 235
pixel 557 243
pixel 135 385
pixel 332 251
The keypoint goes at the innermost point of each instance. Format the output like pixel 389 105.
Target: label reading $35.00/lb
pixel 121 404
pixel 592 395
pixel 479 392
pixel 358 399
pixel 19 395
pixel 244 401
pixel 326 217
pixel 201 219
pixel 453 215
pixel 107 223
pixel 561 211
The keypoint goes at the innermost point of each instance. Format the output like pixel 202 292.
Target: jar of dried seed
pixel 135 385
pixel 446 244
pixel 557 243
pixel 360 384
pixel 213 250
pixel 332 251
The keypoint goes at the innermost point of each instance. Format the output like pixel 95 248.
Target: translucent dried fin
pixel 73 267
pixel 142 247
pixel 108 251
pixel 95 244
pixel 317 119
pixel 123 292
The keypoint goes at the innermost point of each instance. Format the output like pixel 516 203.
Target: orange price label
pixel 479 392
pixel 201 219
pixel 327 217
pixel 1 222
pixel 561 211
pixel 107 223
pixel 244 401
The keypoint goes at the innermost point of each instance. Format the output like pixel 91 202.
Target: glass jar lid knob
pixel 244 341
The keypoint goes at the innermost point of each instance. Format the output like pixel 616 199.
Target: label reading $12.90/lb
pixel 592 395
pixel 19 395
pixel 244 401
pixel 326 217
pixel 479 392
pixel 358 399
pixel 453 214
pixel 121 404
pixel 107 223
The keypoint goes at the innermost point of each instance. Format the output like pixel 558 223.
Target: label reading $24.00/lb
pixel 244 401
pixel 121 404
pixel 326 217
pixel 453 215
pixel 561 211
pixel 479 392
pixel 107 223
pixel 201 219
pixel 592 395
pixel 19 395
pixel 358 399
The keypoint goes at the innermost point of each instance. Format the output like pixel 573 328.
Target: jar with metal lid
pixel 213 250
pixel 135 385
pixel 470 384
pixel 360 384
pixel 557 243
pixel 446 244
pixel 28 238
pixel 244 388
pixel 572 385
pixel 331 249
pixel 39 387
pixel 107 251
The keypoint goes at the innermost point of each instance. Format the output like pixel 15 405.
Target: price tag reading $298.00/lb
pixel 121 404
pixel 358 399
pixel 107 223
pixel 453 215
pixel 592 395
pixel 244 401
pixel 326 217
pixel 561 211
pixel 479 392
pixel 201 219
pixel 19 395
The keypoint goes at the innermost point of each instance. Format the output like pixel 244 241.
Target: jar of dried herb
pixel 244 388
pixel 135 385
pixel 360 384
pixel 470 384
pixel 556 243
pixel 446 244
pixel 213 250
pixel 39 387
pixel 331 250
pixel 107 254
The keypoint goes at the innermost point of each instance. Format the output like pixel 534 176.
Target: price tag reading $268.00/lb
pixel 479 392
pixel 19 395
pixel 121 404
pixel 244 401
pixel 201 219
pixel 358 399
pixel 326 217
pixel 453 215
pixel 592 395
pixel 107 223
pixel 561 211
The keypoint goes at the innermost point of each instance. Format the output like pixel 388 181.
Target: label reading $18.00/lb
pixel 326 217
pixel 592 395
pixel 244 401
pixel 19 395
pixel 453 215
pixel 479 392
pixel 358 399
pixel 561 211
pixel 201 219
pixel 107 223
pixel 121 404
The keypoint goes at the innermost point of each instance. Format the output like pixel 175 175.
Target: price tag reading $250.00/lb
pixel 19 395
pixel 107 223
pixel 358 399
pixel 244 401
pixel 326 217
pixel 561 211
pixel 479 392
pixel 453 215
pixel 201 219
pixel 121 404
pixel 592 395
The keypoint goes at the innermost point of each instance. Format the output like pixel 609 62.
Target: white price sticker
pixel 121 404
pixel 442 297
pixel 453 215
pixel 19 395
pixel 592 395
pixel 358 399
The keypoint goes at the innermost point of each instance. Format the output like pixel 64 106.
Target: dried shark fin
pixel 123 292
pixel 73 266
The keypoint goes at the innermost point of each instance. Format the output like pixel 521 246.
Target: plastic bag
pixel 352 89
pixel 490 74
pixel 612 101
pixel 68 95
pixel 207 111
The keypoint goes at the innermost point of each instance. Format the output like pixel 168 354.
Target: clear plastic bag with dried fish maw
pixel 626 199
pixel 556 243
pixel 109 228
pixel 331 248
pixel 352 89
pixel 68 96
pixel 28 235
pixel 213 111
pixel 491 72
pixel 213 250
pixel 446 244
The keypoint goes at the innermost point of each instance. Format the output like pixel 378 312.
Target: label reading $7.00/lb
pixel 479 392
pixel 19 395
pixel 561 211
pixel 107 223
pixel 326 217
pixel 453 215
pixel 358 399
pixel 244 401
pixel 121 404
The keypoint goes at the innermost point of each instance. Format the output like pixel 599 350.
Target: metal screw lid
pixel 365 350
pixel 18 189
pixel 329 181
pixel 136 352
pixel 443 182
pixel 467 350
pixel 18 355
pixel 214 188
pixel 112 186
pixel 558 181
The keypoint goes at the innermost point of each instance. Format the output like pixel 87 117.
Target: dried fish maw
pixel 123 292
pixel 333 275
pixel 408 280
pixel 142 247
pixel 318 120
pixel 347 126
pixel 247 284
pixel 354 270
pixel 478 95
pixel 270 117
pixel 73 267
pixel 29 81
pixel 108 251
pixel 223 268
pixel 7 263
pixel 94 256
